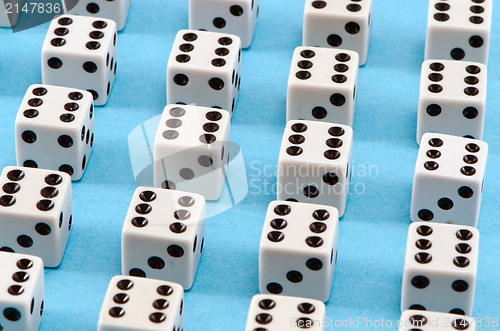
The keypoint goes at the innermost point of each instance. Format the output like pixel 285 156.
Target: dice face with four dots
pixel 116 10
pixel 344 24
pixel 191 150
pixel 433 321
pixel 298 250
pixel 237 17
pixel 448 181
pixel 35 212
pixel 204 69
pixel 55 129
pixel 314 163
pixel 163 235
pixel 136 304
pixel 81 52
pixel 459 30
pixel 440 268
pixel 452 98
pixel 284 313
pixel 322 85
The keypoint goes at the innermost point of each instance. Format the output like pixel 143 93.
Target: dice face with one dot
pixel 448 180
pixel 137 304
pixel 116 10
pixel 81 52
pixel 433 321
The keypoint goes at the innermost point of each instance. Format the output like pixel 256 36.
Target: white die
pixel 204 69
pixel 21 292
pixel 238 17
pixel 9 12
pixel 314 163
pixel 35 212
pixel 191 150
pixel 434 321
pixel 138 304
pixel 440 268
pixel 344 24
pixel 55 129
pixel 116 10
pixel 163 235
pixel 284 313
pixel 322 85
pixel 459 30
pixel 449 178
pixel 298 250
pixel 80 52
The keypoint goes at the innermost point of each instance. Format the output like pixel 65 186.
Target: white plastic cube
pixel 434 321
pixel 116 10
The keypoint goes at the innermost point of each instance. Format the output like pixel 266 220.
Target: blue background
pixel 374 229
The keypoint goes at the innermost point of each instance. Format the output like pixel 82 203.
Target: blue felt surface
pixel 373 231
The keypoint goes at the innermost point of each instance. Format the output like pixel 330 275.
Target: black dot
pixel 319 112
pixel 207 138
pixel 178 227
pixel 441 17
pixel 30 164
pixel 274 288
pixel 219 22
pixel 476 41
pixel 211 127
pixel 156 262
pixel 29 136
pixel 45 205
pixel 337 99
pixel 20 277
pixel 55 63
pixel 471 80
pixel 165 290
pixel 340 79
pixel 311 191
pixel 218 62
pixel 423 258
pixel 314 241
pixel 471 91
pixel 169 185
pixel 299 127
pixel 143 208
pixel 334 143
pixel 15 290
pixel 25 241
pixel 137 272
pixel 303 75
pixel 296 139
pixel 182 214
pixel 12 314
pixel 321 215
pixel 121 298
pixel 341 67
pixel 460 324
pixel 160 304
pixel 95 95
pixel 225 41
pixel 457 54
pixel 317 227
pixel 435 77
pixel 67 118
pixel 465 192
pixel 314 264
pixel 183 58
pixel 464 235
pixel 263 318
pixel 457 311
pixel 53 179
pixel 117 312
pixel 170 134
pixel 7 200
pixel 424 230
pixel 43 229
pixel 470 113
pixel 420 282
pixel 139 222
pixel 58 42
pixel 93 8
pixel 31 113
pixel 305 64
pixel 417 307
pixel 147 196
pixel 275 236
pixel 205 161
pixel 222 51
pixel 445 203
pixel 435 88
pixel 278 224
pixel 353 8
pixel 93 45
pixel 61 32
pixel 423 244
pixel 267 304
pixel 306 308
pixel 319 4
pixel 431 165
pixel 181 79
pixel 236 10
pixel 65 141
pixel 11 188
pixel 216 83
pixel 463 248
pixel 294 276
pixel 433 153
pixel 468 171
pixel 473 69
pixel 461 261
pixel 352 28
pixel 418 320
pixel 334 40
pixel 186 48
pixel 175 251
pixel 90 67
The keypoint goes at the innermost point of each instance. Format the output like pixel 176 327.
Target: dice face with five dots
pixel 459 30
pixel 81 52
pixel 344 24
pixel 284 313
pixel 55 129
pixel 452 98
pixel 238 17
pixel 191 150
pixel 448 181
pixel 298 250
pixel 322 85
pixel 116 10
pixel 35 213
pixel 440 268
pixel 137 304
pixel 434 321
pixel 163 235
pixel 204 69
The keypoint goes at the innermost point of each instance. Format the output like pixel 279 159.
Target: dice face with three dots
pixel 344 24
pixel 440 268
pixel 116 10
pixel 322 85
pixel 284 313
pixel 433 321
pixel 204 69
pixel 314 163
pixel 449 178
pixel 459 30
pixel 35 212
pixel 55 129
pixel 452 98
pixel 163 235
pixel 237 17
pixel 298 250
pixel 81 52
pixel 191 150
pixel 136 304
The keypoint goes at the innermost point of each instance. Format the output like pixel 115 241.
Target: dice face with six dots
pixel 204 69
pixel 322 85
pixel 298 250
pixel 238 17
pixel 81 52
pixel 448 181
pixel 191 150
pixel 21 292
pixel 163 235
pixel 459 30
pixel 314 161
pixel 136 304
pixel 452 98
pixel 440 268
pixel 116 10
pixel 55 129
pixel 434 321
pixel 344 24
pixel 35 212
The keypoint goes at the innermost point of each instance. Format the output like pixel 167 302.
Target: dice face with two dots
pixel 138 304
pixel 204 69
pixel 322 85
pixel 81 52
pixel 163 235
pixel 116 10
pixel 434 321
pixel 449 179
pixel 191 150
pixel 459 30
pixel 35 213
pixel 344 24
pixel 55 129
